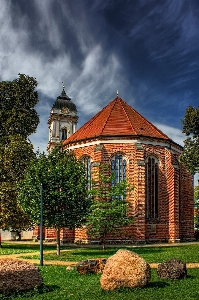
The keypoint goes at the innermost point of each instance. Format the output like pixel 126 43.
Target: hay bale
pixel 125 269
pixel 172 269
pixel 17 275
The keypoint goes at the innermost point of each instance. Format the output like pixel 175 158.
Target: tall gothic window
pixel 152 188
pixel 87 165
pixel 118 167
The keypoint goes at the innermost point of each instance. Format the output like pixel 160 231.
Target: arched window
pixel 152 188
pixel 63 134
pixel 87 165
pixel 118 167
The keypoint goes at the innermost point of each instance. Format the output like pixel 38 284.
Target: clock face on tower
pixel 65 110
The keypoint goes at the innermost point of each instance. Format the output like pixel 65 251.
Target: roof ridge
pixel 109 113
pixel 121 100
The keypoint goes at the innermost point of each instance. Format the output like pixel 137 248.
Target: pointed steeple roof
pixel 64 101
pixel 117 119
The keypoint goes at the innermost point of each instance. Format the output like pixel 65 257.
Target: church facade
pixel 162 202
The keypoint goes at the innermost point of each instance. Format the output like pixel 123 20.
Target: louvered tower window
pixel 63 134
pixel 152 188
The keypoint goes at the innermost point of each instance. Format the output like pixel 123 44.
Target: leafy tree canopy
pixel 18 119
pixel 196 193
pixel 190 154
pixel 17 113
pixel 65 201
pixel 13 161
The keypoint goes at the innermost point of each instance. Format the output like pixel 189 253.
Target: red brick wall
pixel 175 191
pixel 175 206
pixel 186 205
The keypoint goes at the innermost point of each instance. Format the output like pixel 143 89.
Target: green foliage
pixel 11 216
pixel 196 193
pixel 17 101
pixel 19 119
pixel 109 209
pixel 14 160
pixel 65 202
pixel 190 154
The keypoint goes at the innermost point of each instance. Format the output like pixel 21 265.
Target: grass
pixel 60 283
pixel 187 253
pixel 19 248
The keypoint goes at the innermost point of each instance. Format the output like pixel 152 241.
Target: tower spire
pixel 63 89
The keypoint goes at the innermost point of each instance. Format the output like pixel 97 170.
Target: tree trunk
pixel 58 240
pixel 103 241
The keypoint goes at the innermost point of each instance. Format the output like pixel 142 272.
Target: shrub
pixel 16 275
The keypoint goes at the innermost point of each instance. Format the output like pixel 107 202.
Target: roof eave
pixel 119 137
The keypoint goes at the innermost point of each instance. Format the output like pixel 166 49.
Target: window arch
pixel 118 167
pixel 152 188
pixel 87 165
pixel 63 134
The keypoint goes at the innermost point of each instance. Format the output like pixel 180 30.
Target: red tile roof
pixel 117 119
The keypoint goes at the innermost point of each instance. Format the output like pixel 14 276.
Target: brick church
pixel 162 201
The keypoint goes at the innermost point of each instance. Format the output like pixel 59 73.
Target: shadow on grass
pixel 190 277
pixel 151 285
pixel 157 284
pixel 47 288
pixel 43 289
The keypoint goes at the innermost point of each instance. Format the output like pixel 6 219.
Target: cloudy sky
pixel 148 50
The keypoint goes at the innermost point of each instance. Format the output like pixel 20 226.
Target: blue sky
pixel 146 49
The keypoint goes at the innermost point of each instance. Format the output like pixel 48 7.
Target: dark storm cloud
pixel 160 46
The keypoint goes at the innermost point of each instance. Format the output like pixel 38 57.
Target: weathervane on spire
pixel 63 93
pixel 117 93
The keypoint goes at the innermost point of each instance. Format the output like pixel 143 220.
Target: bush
pixel 17 276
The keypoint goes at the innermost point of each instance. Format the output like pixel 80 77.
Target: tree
pixel 19 119
pixel 190 154
pixel 65 201
pixel 14 160
pixel 17 113
pixel 109 211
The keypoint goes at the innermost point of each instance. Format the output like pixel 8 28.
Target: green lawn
pixel 11 248
pixel 62 284
pixel 189 253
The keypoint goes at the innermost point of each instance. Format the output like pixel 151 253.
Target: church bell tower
pixel 62 122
